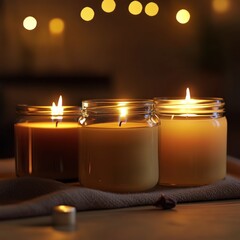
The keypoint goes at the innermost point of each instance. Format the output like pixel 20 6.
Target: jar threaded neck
pixel 28 110
pixel 202 107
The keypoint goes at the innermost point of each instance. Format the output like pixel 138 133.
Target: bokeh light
pixel 221 6
pixel 183 16
pixel 56 26
pixel 151 9
pixel 87 14
pixel 135 7
pixel 108 6
pixel 30 23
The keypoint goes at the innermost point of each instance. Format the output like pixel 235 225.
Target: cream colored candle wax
pixel 192 141
pixel 119 159
pixel 118 145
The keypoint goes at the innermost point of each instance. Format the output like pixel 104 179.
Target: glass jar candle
pixel 46 144
pixel 192 141
pixel 118 145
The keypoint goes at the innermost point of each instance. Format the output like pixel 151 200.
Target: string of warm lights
pixel 56 25
pixel 108 6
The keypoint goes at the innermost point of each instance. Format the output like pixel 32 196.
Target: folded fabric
pixel 28 197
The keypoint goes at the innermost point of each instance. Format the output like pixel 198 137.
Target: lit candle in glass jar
pixel 192 141
pixel 118 145
pixel 46 140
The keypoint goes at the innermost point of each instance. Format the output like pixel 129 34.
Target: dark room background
pixel 118 55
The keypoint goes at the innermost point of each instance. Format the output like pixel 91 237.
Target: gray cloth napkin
pixel 28 197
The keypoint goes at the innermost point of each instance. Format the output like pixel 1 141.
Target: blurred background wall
pixel 118 55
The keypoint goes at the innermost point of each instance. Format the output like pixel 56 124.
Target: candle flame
pixel 57 111
pixel 189 105
pixel 188 96
pixel 123 113
pixel 188 99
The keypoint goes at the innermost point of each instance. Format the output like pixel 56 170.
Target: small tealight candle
pixel 64 216
pixel 192 141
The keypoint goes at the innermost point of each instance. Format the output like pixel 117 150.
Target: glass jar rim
pixel 31 110
pixel 201 99
pixel 208 106
pixel 113 101
pixel 109 106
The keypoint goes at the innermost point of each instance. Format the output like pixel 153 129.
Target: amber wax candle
pixel 46 141
pixel 192 141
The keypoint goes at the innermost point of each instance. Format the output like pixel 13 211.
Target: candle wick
pixel 120 123
pixel 56 123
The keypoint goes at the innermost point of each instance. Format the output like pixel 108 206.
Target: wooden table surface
pixel 214 220
pixel 209 220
